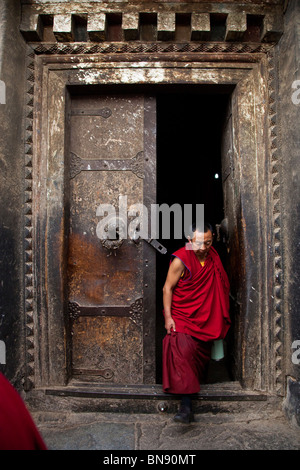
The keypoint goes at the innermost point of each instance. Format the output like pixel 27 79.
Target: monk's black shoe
pixel 184 415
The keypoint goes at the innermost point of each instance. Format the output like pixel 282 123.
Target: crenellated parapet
pixel 152 21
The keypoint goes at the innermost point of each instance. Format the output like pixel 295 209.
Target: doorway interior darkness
pixel 189 132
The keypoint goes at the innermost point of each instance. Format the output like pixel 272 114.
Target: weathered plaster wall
pixel 289 106
pixel 12 60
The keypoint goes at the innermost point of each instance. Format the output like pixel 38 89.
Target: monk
pixel 196 311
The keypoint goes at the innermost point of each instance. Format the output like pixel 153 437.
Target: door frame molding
pixel 50 72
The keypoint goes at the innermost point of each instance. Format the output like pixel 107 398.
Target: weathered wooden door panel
pixel 232 230
pixel 106 276
pixel 231 193
pixel 236 263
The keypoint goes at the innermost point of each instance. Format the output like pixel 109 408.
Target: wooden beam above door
pixel 126 21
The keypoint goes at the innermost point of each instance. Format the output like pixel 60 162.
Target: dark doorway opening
pixel 189 133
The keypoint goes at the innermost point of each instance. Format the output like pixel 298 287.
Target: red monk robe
pixel 17 429
pixel 200 309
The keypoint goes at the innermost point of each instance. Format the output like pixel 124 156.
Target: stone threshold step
pixel 228 391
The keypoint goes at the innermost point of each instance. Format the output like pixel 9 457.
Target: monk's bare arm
pixel 175 271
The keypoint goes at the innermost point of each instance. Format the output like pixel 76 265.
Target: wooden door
pixel 231 231
pixel 111 281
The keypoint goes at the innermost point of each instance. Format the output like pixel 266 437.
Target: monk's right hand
pixel 169 325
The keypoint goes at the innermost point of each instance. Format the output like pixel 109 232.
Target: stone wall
pixel 12 70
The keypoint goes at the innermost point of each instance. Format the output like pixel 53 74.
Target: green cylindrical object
pixel 217 350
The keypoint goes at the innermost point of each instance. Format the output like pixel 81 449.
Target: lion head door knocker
pixel 112 233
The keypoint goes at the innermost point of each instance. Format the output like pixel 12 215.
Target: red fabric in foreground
pixel 185 361
pixel 17 429
pixel 200 300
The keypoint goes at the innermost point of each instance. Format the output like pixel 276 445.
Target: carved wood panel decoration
pixel 28 227
pixel 277 322
pixel 196 65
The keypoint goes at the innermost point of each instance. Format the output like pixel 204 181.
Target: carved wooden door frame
pixel 47 310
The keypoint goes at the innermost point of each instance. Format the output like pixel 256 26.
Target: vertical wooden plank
pixel 149 253
pixel 234 264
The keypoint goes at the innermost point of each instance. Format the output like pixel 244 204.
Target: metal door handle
pixel 158 246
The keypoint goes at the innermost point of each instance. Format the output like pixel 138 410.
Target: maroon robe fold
pixel 185 361
pixel 200 309
pixel 17 429
pixel 200 301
